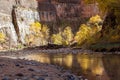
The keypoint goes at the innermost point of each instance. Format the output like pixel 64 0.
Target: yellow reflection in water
pixel 58 60
pixel 84 61
pixel 92 63
pixel 68 60
pixel 97 67
pixel 41 58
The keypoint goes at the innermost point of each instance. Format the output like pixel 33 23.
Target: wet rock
pixel 18 79
pixel 25 78
pixel 40 78
pixel 17 65
pixel 30 69
pixel 36 77
pixel 6 78
pixel 70 77
pixel 81 78
pixel 28 63
pixel 1 65
pixel 19 74
pixel 31 63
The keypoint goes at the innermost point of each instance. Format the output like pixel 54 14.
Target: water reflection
pixel 112 66
pixel 92 66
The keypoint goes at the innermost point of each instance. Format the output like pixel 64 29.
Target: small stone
pixel 70 77
pixel 30 69
pixel 40 78
pixel 20 75
pixel 18 79
pixel 17 64
pixel 28 63
pixel 25 78
pixel 21 66
pixel 36 77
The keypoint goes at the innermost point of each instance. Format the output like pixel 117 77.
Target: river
pixel 92 66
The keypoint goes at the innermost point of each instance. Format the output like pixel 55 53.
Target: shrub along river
pixel 92 66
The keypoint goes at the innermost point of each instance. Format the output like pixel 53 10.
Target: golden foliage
pixel 95 19
pixel 2 37
pixel 67 36
pixel 57 39
pixel 45 31
pixel 63 38
pixel 39 34
pixel 86 32
pixel 35 27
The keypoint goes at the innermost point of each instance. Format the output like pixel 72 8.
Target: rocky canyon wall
pixel 16 16
pixel 66 12
pixel 15 19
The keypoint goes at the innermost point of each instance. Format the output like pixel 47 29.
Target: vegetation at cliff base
pixel 39 34
pixel 2 37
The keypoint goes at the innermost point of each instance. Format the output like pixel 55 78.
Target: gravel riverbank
pixel 20 69
pixel 16 69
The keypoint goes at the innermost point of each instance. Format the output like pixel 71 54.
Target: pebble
pixel 35 77
pixel 40 78
pixel 30 69
pixel 25 78
pixel 17 65
pixel 20 75
pixel 17 79
pixel 70 77
pixel 31 63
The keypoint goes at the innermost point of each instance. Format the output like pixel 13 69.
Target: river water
pixel 91 66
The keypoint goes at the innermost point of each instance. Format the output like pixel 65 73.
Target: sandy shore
pixel 16 69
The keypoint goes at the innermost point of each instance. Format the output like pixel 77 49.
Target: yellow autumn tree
pixel 67 36
pixel 2 37
pixel 57 39
pixel 63 38
pixel 86 32
pixel 38 34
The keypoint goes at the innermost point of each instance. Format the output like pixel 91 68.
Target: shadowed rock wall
pixel 64 13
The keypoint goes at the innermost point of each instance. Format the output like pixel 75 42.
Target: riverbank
pixel 21 68
pixel 18 69
pixel 34 50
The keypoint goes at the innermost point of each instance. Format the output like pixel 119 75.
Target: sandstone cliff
pixel 17 15
pixel 15 19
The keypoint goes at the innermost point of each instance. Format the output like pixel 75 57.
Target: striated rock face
pixel 25 17
pixel 7 5
pixel 66 9
pixel 66 12
pixel 7 28
pixel 15 20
